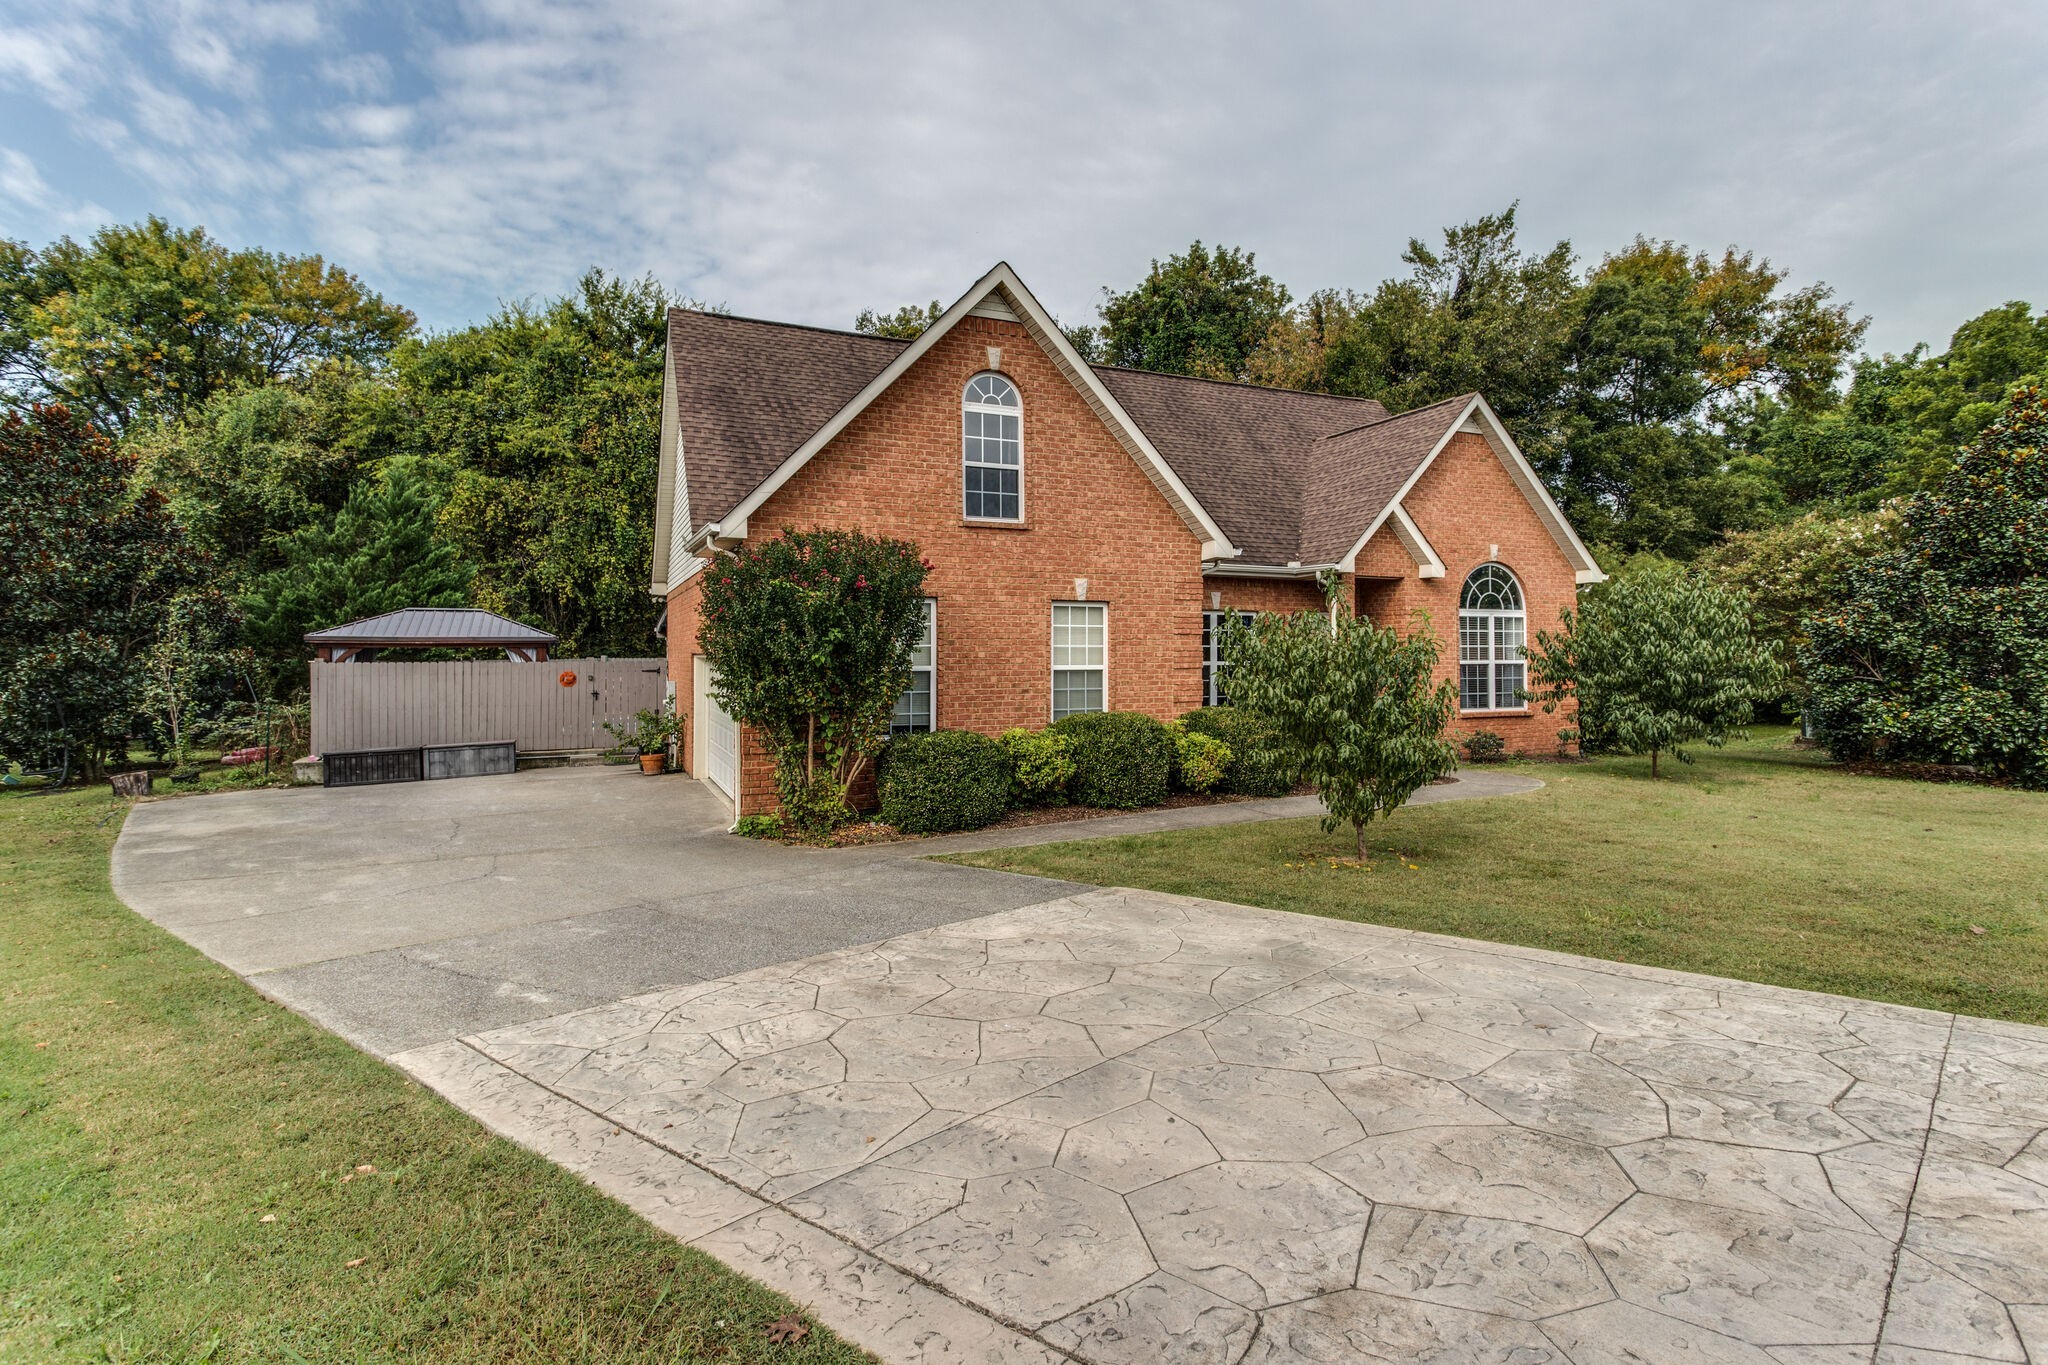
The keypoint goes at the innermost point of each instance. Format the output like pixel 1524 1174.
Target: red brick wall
pixel 1263 594
pixel 1090 512
pixel 1467 505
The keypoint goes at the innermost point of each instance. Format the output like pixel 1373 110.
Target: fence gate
pixel 557 705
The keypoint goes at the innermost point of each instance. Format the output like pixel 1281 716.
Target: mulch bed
pixel 875 832
pixel 1923 772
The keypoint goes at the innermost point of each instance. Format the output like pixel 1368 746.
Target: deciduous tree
pixel 147 321
pixel 1656 658
pixel 1357 706
pixel 1202 312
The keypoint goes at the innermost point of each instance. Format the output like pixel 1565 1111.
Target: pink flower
pixel 860 584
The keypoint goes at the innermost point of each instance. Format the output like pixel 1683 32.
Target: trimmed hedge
pixel 944 780
pixel 1041 766
pixel 1200 761
pixel 1258 765
pixel 1122 759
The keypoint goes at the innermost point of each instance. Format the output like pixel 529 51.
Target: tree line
pixel 209 451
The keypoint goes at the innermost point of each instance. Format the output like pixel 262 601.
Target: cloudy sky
pixel 806 161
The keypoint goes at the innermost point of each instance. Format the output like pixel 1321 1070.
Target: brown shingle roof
pixel 748 393
pixel 1289 476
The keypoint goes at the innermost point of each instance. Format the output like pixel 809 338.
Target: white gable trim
pixel 1479 417
pixel 668 474
pixel 1427 565
pixel 1001 283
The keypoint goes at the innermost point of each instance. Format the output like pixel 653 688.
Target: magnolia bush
pixel 1940 650
pixel 1358 706
pixel 811 634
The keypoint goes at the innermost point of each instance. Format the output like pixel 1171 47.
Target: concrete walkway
pixel 1128 1127
pixel 405 914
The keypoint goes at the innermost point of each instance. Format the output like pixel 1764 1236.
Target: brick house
pixel 1088 526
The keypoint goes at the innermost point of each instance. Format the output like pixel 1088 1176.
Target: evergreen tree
pixel 88 570
pixel 381 553
pixel 1940 652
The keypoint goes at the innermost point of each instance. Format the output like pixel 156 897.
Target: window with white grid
pixel 992 449
pixel 1492 628
pixel 1080 658
pixel 1213 662
pixel 914 708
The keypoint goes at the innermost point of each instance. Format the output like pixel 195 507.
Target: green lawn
pixel 154 1110
pixel 1759 861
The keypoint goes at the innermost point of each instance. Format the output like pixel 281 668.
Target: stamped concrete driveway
pixel 1034 1122
pixel 1129 1127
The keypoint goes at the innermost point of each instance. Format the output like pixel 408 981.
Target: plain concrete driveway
pixel 402 914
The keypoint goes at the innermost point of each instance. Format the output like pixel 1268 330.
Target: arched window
pixel 992 449
pixel 1491 629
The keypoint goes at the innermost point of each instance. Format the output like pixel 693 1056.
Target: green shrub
pixel 1199 761
pixel 767 826
pixel 1041 766
pixel 945 780
pixel 1259 764
pixel 1484 746
pixel 1122 759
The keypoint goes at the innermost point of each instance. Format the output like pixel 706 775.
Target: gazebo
pixel 430 628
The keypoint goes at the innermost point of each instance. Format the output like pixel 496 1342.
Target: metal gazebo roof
pixel 431 628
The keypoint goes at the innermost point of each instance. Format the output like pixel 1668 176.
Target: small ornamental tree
pixel 811 634
pixel 1355 704
pixel 1656 658
pixel 193 668
pixel 1940 650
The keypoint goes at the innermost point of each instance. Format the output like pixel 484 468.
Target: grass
pixel 154 1110
pixel 1760 861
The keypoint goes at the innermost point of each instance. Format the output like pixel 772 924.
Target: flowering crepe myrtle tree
pixel 1354 704
pixel 1657 657
pixel 1939 650
pixel 811 634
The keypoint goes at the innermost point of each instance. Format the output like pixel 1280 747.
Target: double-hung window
pixel 992 449
pixel 1491 630
pixel 914 708
pixel 1080 658
pixel 1213 662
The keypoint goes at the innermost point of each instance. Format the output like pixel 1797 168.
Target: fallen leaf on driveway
pixel 788 1328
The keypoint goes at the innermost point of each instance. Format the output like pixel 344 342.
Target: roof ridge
pixel 1235 383
pixel 1397 416
pixel 792 326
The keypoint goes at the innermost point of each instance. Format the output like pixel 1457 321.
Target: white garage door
pixel 721 748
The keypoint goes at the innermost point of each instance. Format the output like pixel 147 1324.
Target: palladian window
pixel 1492 627
pixel 992 449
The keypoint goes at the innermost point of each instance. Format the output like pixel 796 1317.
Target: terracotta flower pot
pixel 650 763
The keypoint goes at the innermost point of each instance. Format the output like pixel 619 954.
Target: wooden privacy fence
pixel 411 705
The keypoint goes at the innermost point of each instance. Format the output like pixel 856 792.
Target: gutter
pixel 1217 569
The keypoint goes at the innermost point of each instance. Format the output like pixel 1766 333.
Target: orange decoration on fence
pixel 567 678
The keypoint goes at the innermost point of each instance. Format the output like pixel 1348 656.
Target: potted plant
pixel 651 732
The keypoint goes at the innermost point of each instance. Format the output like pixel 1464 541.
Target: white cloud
pixel 807 161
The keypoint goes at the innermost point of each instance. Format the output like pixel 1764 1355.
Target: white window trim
pixel 930 670
pixel 1054 670
pixel 1490 616
pixel 1001 411
pixel 1212 650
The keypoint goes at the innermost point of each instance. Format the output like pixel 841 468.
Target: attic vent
pixel 993 305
